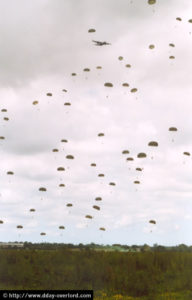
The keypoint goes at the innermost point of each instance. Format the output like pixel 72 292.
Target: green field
pixel 112 275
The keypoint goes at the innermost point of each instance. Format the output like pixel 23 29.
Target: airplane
pixel 98 43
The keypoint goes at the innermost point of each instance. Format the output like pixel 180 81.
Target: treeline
pixel 145 274
pixel 93 246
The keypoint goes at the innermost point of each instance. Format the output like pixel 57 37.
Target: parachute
pixel 42 233
pixel 101 134
pixel 190 20
pixel 172 129
pixel 70 157
pixel 108 84
pixel 55 150
pixel 69 204
pixel 137 182
pixel 19 226
pixel 138 169
pixel 10 173
pixel 4 110
pixel 186 153
pixel 60 169
pixel 101 175
pixel 86 70
pixel 91 30
pixel 42 189
pixel 67 103
pixel 120 57
pixel 96 207
pixel 102 228
pixel 128 66
pixel 125 152
pixel 93 165
pixel 130 158
pixel 125 84
pixel 32 210
pixel 49 94
pixel 99 67
pixel 152 222
pixel 98 199
pixel 64 141
pixel 151 1
pixel 112 183
pixel 64 90
pixel 73 74
pixel 141 155
pixel 6 119
pixel 171 57
pixel 134 90
pixel 61 185
pixel 178 19
pixel 151 46
pixel 88 217
pixel 35 102
pixel 171 45
pixel 2 137
pixel 61 227
pixel 153 144
pixel 1 222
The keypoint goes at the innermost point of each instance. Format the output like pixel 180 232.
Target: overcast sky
pixel 41 44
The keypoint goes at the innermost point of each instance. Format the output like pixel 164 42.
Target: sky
pixel 42 43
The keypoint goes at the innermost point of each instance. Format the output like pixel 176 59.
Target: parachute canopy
pixel 101 134
pixel 91 30
pixel 88 217
pixel 134 90
pixel 64 141
pixel 73 74
pixel 19 226
pixel 42 189
pixel 61 227
pixel 10 173
pixel 69 156
pixel 35 102
pixel 171 57
pixel 55 150
pixel 1 222
pixel 152 221
pixel 32 210
pixel 125 152
pixel 102 228
pixel 99 67
pixel 172 129
pixel 112 183
pixel 2 137
pixel 67 103
pixel 190 20
pixel 128 66
pixel 171 45
pixel 96 207
pixel 120 57
pixel 101 175
pixel 98 198
pixel 141 155
pixel 130 158
pixel 138 169
pixel 125 84
pixel 86 70
pixel 178 19
pixel 4 110
pixel 93 165
pixel 151 1
pixel 60 169
pixel 108 84
pixel 49 94
pixel 151 46
pixel 137 182
pixel 186 153
pixel 69 204
pixel 153 144
pixel 61 185
pixel 42 233
pixel 6 119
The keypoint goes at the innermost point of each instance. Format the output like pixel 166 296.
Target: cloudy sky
pixel 41 44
